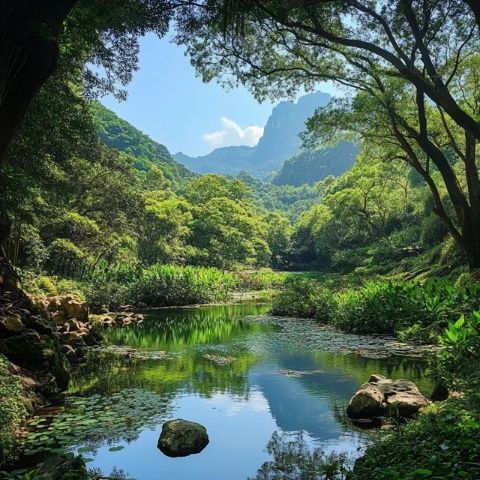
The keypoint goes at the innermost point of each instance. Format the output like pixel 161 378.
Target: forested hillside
pixel 116 133
pixel 311 166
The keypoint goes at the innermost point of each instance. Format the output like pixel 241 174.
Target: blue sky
pixel 168 102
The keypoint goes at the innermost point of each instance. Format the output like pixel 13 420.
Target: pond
pixel 241 374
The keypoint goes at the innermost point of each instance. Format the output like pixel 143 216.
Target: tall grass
pixel 161 285
pixel 166 285
pixel 410 310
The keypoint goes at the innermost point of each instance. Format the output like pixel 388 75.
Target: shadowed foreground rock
pixel 375 397
pixel 180 438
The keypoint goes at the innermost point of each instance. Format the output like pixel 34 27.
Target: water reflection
pixel 270 382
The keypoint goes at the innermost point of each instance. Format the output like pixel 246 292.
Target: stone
pixel 180 438
pixel 58 317
pixel 376 397
pixel 376 377
pixel 11 324
pixel 74 308
pixel 368 402
pixel 40 324
pixel 406 396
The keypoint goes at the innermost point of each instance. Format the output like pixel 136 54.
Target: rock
pixel 74 325
pixel 368 402
pixel 40 324
pixel 63 468
pixel 405 395
pixel 379 394
pixel 74 308
pixel 141 305
pixel 376 377
pixel 180 438
pixel 12 324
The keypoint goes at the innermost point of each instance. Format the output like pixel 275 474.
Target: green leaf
pixel 423 472
pixel 459 323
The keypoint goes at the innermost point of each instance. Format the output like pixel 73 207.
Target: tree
pixel 427 46
pixel 40 37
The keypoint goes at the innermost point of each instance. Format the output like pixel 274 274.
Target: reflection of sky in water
pixel 239 430
pixel 284 386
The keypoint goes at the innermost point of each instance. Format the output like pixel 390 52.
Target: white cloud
pixel 234 134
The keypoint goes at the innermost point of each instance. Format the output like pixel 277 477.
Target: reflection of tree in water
pixel 189 372
pixel 294 460
pixel 176 329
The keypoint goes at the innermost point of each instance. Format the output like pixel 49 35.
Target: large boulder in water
pixel 374 398
pixel 180 438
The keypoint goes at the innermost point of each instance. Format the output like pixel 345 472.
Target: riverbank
pixel 303 290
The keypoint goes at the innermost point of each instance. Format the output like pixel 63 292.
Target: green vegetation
pixel 12 411
pixel 443 441
pixel 118 134
pixel 89 203
pixel 410 310
pixel 312 166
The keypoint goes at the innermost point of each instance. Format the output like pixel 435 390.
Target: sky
pixel 170 104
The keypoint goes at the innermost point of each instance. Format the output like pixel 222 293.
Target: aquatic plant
pixel 92 421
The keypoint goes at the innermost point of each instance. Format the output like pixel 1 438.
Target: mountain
pixel 312 166
pixel 279 141
pixel 114 132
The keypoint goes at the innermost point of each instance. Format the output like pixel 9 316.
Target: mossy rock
pixel 180 438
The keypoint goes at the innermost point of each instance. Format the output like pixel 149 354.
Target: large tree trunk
pixel 471 243
pixel 29 35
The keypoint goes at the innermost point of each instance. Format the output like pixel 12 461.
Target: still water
pixel 232 369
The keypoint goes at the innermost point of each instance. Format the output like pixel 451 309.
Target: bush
pixel 433 231
pixel 411 310
pixel 458 365
pixel 442 443
pixel 260 280
pixel 303 297
pixel 167 285
pixel 12 410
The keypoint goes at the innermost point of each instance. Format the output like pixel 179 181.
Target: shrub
pixel 393 307
pixel 411 310
pixel 12 410
pixel 433 231
pixel 167 285
pixel 442 443
pixel 458 365
pixel 303 297
pixel 260 280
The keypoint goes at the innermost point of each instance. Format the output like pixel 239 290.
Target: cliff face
pixel 279 141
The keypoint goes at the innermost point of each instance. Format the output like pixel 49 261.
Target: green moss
pixel 12 410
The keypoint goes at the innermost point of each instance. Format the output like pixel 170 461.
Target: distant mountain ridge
pixel 117 133
pixel 279 141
